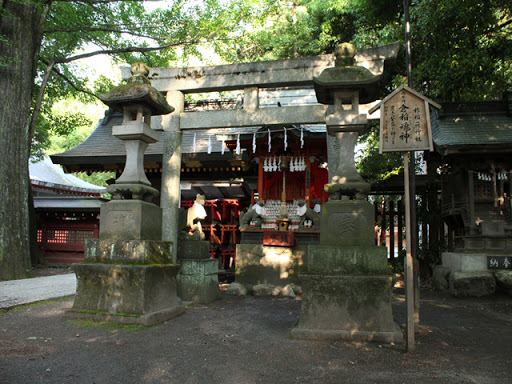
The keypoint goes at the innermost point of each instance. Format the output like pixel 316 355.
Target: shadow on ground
pixel 241 340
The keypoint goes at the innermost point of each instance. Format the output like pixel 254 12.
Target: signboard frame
pixel 424 143
pixel 412 117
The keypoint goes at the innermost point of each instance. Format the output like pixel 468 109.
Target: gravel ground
pixel 246 340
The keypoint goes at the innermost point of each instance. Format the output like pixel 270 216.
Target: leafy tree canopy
pixel 462 50
pixel 128 31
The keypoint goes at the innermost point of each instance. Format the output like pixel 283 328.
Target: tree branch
pixel 101 1
pixel 37 105
pixel 504 24
pixel 64 60
pixel 97 29
pixel 39 101
pixel 70 82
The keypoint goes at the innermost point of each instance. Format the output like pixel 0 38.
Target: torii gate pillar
pixel 171 169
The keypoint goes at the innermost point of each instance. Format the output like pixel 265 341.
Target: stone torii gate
pixel 249 77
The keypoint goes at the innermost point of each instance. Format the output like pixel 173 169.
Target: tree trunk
pixel 20 42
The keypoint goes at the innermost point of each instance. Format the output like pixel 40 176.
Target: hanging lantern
pixel 209 144
pixel 254 142
pixel 285 140
pixel 301 137
pixel 238 144
pixel 269 140
pixel 194 143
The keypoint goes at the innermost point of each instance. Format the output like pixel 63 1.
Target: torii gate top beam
pixel 263 74
pixel 251 77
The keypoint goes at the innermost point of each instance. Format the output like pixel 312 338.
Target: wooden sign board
pixel 405 122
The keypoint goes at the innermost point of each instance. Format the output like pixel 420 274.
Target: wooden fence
pixel 390 228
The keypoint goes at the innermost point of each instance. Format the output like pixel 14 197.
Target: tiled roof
pixel 69 203
pixel 102 144
pixel 471 128
pixel 47 174
pixel 102 147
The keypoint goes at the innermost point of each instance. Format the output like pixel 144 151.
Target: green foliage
pixel 107 325
pixel 371 165
pixel 96 178
pixel 123 29
pixel 63 124
pixel 397 264
pixel 314 27
pixel 36 304
pixel 462 51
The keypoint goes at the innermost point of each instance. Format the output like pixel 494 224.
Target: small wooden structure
pixel 474 141
pixel 305 177
pixel 67 210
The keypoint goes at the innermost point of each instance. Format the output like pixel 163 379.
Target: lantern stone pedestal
pixel 198 278
pixel 128 275
pixel 346 292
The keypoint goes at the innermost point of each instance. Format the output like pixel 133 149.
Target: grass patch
pixel 106 325
pixel 36 304
pixel 91 312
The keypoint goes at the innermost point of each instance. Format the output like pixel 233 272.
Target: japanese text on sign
pixel 499 262
pixel 405 125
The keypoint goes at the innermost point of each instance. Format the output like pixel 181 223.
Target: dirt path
pixel 241 340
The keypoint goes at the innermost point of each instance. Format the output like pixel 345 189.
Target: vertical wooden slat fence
pixel 390 228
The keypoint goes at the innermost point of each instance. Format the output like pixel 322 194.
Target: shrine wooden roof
pixel 46 175
pixel 476 127
pixel 103 152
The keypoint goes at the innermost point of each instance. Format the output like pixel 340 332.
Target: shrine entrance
pixel 283 124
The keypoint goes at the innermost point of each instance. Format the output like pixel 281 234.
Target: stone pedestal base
pixel 346 295
pixel 354 308
pixel 473 284
pixel 198 280
pixel 193 249
pixel 258 264
pixel 347 222
pixel 128 251
pixel 130 219
pixel 468 274
pixel 464 262
pixel 135 294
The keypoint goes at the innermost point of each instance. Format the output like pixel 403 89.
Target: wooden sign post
pixel 404 127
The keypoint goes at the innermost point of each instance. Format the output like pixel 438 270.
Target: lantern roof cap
pixel 137 91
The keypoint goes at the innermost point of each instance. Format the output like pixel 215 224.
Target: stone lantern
pixel 128 273
pixel 346 293
pixel 131 213
pixel 343 87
